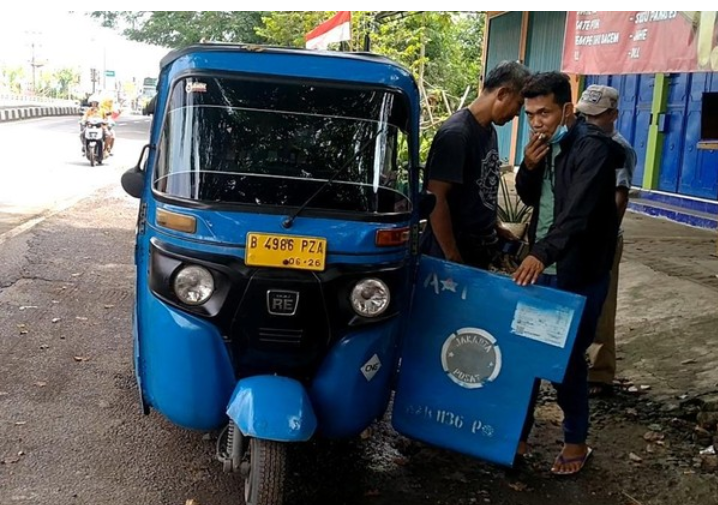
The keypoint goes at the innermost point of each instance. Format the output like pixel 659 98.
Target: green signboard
pixel 109 73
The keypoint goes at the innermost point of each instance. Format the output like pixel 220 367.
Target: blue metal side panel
pixel 475 343
pixel 674 139
pixel 352 387
pixel 142 269
pixel 699 174
pixel 186 371
pixel 504 37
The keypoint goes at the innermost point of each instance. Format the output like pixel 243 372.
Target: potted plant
pixel 513 214
pixel 514 217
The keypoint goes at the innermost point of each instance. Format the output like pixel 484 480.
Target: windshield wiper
pixel 289 221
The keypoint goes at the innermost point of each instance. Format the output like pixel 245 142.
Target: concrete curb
pixel 30 112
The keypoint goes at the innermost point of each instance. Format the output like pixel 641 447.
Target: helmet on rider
pixel 94 101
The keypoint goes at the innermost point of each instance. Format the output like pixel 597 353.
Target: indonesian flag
pixel 335 30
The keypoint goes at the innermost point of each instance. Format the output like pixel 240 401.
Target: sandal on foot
pixel 561 460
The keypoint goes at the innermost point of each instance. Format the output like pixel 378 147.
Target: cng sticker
pixel 371 367
pixel 471 358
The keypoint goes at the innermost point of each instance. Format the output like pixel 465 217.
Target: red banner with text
pixel 612 42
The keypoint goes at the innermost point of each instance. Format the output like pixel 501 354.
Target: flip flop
pixel 566 461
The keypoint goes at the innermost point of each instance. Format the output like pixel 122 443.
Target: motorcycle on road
pixel 93 136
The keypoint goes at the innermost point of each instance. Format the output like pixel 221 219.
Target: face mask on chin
pixel 562 129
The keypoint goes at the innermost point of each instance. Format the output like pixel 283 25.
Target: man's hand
pixel 528 272
pixel 536 150
pixel 621 203
pixel 454 256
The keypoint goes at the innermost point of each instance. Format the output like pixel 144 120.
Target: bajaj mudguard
pixel 272 408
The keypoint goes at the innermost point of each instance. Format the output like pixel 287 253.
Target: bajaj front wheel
pixel 264 484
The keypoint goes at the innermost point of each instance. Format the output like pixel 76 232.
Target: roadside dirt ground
pixel 71 431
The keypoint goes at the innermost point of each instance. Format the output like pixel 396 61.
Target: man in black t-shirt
pixel 463 171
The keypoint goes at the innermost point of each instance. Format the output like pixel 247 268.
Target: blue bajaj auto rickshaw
pixel 278 280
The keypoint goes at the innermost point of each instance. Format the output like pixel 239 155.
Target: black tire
pixel 100 146
pixel 264 484
pixel 91 155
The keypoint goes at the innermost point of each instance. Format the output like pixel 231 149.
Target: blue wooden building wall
pixel 504 39
pixel 634 109
pixel 684 169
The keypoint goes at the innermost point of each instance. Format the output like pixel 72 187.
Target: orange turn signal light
pixel 175 221
pixel 392 237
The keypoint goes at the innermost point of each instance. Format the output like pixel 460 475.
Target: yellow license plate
pixel 286 251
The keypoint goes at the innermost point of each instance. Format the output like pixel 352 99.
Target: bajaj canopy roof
pixel 286 62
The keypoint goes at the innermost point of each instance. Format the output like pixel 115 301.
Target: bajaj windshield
pixel 276 143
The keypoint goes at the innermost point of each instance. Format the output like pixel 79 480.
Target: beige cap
pixel 597 99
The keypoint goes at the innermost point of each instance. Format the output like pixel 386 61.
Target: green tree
pixel 13 78
pixel 441 49
pixel 64 78
pixel 180 28
pixel 44 84
pixel 289 28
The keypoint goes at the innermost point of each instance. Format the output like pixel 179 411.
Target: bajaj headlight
pixel 194 285
pixel 370 297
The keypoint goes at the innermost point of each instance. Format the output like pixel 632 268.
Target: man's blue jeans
pixel 572 393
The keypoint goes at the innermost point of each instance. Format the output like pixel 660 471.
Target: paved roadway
pixel 43 169
pixel 71 432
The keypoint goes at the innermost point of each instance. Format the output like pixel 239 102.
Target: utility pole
pixel 94 79
pixel 34 62
pixel 104 66
pixel 34 68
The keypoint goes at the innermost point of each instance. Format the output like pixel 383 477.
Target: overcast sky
pixel 74 40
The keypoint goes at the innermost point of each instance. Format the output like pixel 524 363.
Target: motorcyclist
pixel 93 112
pixel 110 132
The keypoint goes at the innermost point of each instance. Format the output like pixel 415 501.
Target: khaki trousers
pixel 602 352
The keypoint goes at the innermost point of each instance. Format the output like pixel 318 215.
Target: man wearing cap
pixel 599 105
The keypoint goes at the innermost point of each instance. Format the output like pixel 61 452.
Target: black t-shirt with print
pixel 466 154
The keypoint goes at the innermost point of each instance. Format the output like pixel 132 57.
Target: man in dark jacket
pixel 568 177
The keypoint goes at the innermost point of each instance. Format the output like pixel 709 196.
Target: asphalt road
pixel 43 169
pixel 71 430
